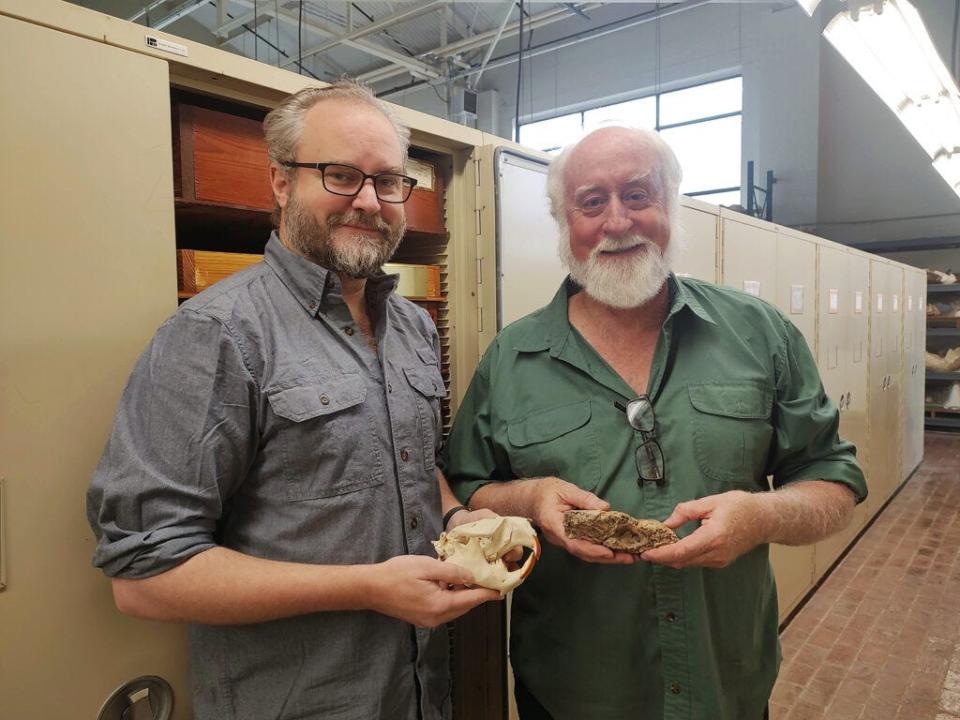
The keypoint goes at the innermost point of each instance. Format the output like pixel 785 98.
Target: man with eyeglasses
pixel 271 476
pixel 666 398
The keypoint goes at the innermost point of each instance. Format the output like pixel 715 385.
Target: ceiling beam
pixel 370 29
pixel 480 40
pixel 181 12
pixel 406 63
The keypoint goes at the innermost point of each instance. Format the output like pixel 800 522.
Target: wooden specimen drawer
pixel 220 158
pixel 199 269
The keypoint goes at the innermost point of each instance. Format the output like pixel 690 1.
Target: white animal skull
pixel 480 546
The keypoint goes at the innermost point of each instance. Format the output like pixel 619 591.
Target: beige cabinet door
pixel 797 283
pixel 834 310
pixel 880 438
pixel 699 229
pixel 87 273
pixel 895 372
pixel 749 260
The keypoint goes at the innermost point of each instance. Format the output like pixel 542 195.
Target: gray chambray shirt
pixel 260 419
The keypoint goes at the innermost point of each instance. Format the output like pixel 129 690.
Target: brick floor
pixel 881 637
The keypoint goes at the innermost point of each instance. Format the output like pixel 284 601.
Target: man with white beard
pixel 669 399
pixel 271 474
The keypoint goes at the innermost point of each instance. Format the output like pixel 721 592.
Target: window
pixel 701 123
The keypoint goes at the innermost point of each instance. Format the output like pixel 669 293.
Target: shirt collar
pixel 554 329
pixel 314 286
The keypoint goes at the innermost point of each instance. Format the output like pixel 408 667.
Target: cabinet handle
pixel 840 402
pixel 849 395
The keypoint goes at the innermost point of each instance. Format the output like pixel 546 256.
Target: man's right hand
pixel 553 498
pixel 424 591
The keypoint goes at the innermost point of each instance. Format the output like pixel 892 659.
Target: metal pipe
pixel 372 28
pixel 179 13
pixel 140 13
pixel 493 43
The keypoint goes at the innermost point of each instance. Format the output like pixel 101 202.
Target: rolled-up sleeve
pixel 806 422
pixel 183 438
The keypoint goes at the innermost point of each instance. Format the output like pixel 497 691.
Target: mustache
pixel 360 219
pixel 608 243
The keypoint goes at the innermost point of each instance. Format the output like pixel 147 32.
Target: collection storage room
pixel 628 387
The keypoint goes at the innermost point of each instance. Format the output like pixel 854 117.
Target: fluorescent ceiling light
pixel 809 6
pixel 887 44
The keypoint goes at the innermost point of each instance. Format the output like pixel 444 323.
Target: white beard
pixel 621 282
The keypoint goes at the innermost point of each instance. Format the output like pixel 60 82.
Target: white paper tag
pixel 879 302
pixel 796 299
pixel 896 302
pixel 858 301
pixel 158 43
pixel 752 287
pixel 909 303
pixel 834 302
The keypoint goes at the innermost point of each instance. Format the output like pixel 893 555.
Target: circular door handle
pixel 149 696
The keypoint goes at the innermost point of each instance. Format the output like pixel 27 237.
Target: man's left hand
pixel 731 524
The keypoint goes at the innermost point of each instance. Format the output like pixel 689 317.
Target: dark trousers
pixel 529 708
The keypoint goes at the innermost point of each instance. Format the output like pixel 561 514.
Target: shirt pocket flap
pixel 316 398
pixel 736 400
pixel 549 424
pixel 426 380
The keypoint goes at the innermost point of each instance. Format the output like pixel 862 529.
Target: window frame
pixel 659 127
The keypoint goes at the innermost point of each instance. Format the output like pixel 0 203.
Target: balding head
pixel 650 152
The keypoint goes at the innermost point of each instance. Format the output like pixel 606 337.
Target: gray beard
pixel 361 256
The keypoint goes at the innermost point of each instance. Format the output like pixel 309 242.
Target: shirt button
pixel 404 455
pixel 324 400
pixel 413 523
pixel 670 617
pixel 348 330
pixel 675 688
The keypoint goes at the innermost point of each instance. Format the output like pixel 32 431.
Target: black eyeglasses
pixel 649 456
pixel 347 180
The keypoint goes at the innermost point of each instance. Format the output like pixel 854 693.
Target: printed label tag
pixel 879 302
pixel 752 287
pixel 834 303
pixel 858 301
pixel 796 299
pixel 896 302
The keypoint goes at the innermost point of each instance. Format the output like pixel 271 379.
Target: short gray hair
pixel 283 126
pixel 669 170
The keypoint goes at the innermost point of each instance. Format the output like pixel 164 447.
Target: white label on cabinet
pixel 896 303
pixel 158 43
pixel 834 302
pixel 422 172
pixel 796 299
pixel 879 302
pixel 909 303
pixel 752 287
pixel 858 301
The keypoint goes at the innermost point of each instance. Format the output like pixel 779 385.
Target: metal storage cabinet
pixel 914 339
pixel 749 261
pixel 699 228
pixel 841 339
pixel 797 282
pixel 86 275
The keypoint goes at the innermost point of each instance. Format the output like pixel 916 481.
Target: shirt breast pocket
pixel 427 381
pixel 557 441
pixel 732 431
pixel 326 436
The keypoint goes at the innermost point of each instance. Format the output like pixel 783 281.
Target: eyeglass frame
pixel 649 437
pixel 406 180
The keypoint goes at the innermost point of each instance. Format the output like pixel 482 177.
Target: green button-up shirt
pixel 737 399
